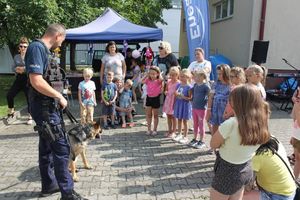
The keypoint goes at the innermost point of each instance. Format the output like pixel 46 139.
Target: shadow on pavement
pixel 30 175
pixel 17 136
pixel 158 160
pixel 18 195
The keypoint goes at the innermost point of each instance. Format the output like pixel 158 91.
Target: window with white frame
pixel 223 9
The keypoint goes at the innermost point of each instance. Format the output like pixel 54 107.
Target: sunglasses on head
pixel 23 46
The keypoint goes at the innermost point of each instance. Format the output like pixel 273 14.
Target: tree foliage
pixel 30 17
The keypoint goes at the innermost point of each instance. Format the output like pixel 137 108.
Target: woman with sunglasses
pixel 165 59
pixel 20 83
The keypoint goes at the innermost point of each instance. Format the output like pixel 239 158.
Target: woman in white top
pixel 200 63
pixel 112 61
pixel 237 139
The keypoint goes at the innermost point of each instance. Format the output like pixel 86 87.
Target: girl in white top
pixel 200 63
pixel 237 139
pixel 256 75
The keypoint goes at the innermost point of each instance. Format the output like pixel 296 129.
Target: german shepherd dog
pixel 78 138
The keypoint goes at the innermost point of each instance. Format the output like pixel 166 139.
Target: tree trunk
pixel 72 56
pixel 63 55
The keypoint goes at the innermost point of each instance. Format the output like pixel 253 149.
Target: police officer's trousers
pixel 55 155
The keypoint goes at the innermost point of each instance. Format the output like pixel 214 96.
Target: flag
pixel 197 26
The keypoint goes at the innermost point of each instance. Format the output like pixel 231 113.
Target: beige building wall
pixel 231 37
pixel 234 36
pixel 283 31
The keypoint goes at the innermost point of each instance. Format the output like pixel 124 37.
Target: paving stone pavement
pixel 127 164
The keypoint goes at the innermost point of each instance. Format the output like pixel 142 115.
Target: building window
pixel 223 9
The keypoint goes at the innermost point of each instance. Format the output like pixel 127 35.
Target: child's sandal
pixel 292 159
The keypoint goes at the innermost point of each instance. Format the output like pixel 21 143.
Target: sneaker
pixel 172 135
pixel 164 115
pixel 131 124
pixel 47 193
pixel 178 137
pixel 106 127
pixel 210 151
pixel 29 122
pixel 193 142
pixel 113 126
pixel 154 133
pixel 169 135
pixel 191 129
pixel 11 115
pixel 134 102
pixel 184 140
pixel 148 132
pixel 200 145
pixel 123 125
pixel 73 196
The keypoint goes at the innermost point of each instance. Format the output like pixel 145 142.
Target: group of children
pixel 187 95
pixel 191 96
pixel 116 100
pixel 233 107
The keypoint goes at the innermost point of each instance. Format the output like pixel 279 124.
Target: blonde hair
pixel 175 69
pixel 88 71
pixel 200 72
pixel 187 73
pixel 110 73
pixel 23 40
pixel 252 114
pixel 225 72
pixel 260 70
pixel 155 68
pixel 239 73
pixel 129 82
pixel 167 46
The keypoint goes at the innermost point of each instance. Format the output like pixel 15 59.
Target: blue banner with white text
pixel 197 25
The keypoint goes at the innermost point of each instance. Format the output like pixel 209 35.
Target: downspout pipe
pixel 262 19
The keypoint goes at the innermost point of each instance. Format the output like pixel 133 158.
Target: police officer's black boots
pixel 73 196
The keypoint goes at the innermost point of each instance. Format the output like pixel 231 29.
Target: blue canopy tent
pixel 216 60
pixel 111 26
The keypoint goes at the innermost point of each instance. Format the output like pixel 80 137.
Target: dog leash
pixel 71 116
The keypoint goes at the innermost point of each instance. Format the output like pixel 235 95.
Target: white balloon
pixel 135 54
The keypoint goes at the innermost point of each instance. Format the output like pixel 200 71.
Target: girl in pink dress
pixel 168 106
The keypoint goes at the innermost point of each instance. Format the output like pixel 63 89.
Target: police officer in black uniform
pixel 46 109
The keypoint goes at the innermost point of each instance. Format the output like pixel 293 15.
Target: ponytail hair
pixel 257 69
pixel 264 75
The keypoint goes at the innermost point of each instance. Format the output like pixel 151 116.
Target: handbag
pixel 297 194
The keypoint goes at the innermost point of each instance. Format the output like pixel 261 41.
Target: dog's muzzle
pixel 81 132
